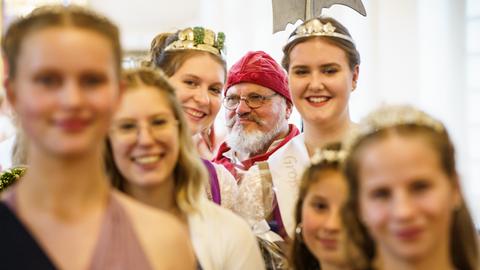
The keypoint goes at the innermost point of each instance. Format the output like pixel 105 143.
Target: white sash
pixel 286 167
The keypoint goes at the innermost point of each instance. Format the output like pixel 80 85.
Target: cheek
pixel 373 215
pixel 229 114
pixel 183 95
pixel 215 103
pixel 121 156
pixel 296 86
pixel 311 222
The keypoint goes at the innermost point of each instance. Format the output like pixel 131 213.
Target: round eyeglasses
pixel 253 101
pixel 128 130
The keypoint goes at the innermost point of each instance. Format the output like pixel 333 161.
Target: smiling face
pixel 406 199
pixel 65 90
pixel 144 138
pixel 320 81
pixel 322 228
pixel 252 130
pixel 199 83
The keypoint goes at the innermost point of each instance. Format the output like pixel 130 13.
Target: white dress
pixel 256 193
pixel 228 187
pixel 222 240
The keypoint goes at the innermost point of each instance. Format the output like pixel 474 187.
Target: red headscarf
pixel 259 68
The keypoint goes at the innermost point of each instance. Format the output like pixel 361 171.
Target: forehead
pixel 66 48
pixel 152 101
pixel 316 51
pixel 329 184
pixel 203 66
pixel 398 159
pixel 246 88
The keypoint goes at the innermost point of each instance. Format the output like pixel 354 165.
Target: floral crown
pixel 326 156
pixel 199 38
pixel 315 27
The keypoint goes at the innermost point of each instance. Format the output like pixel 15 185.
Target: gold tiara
pixel 199 38
pixel 328 156
pixel 315 27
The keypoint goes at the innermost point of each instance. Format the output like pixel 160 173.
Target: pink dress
pixel 117 246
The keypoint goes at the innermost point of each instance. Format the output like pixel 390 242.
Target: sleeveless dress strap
pixel 214 184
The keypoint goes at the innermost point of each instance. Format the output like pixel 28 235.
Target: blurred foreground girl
pixel 63 82
pixel 406 209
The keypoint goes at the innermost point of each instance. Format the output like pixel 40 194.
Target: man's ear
pixel 289 109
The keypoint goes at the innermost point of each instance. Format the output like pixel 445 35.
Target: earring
pixel 298 232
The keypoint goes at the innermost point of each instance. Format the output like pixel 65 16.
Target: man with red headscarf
pixel 258 105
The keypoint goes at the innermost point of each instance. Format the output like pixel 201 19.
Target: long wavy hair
pixel 189 173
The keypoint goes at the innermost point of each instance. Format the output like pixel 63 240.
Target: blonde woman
pixel 151 158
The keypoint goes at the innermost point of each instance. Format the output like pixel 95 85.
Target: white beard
pixel 255 141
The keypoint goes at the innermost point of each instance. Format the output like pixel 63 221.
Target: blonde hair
pixel 190 174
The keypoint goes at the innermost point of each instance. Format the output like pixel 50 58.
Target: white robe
pixel 222 240
pixel 286 167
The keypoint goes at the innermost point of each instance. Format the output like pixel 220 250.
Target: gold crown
pixel 315 27
pixel 199 38
pixel 328 156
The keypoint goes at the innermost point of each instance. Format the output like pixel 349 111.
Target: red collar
pixel 221 159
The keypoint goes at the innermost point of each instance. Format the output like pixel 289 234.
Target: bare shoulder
pixel 164 238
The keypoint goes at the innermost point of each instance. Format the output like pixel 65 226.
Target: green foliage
pixel 10 176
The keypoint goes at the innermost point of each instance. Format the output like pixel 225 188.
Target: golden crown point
pixel 199 38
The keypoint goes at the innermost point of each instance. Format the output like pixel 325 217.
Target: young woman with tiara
pixel 63 66
pixel 192 59
pixel 150 156
pixel 323 68
pixel 320 240
pixel 406 209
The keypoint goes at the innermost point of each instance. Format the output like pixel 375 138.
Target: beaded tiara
pixel 199 38
pixel 315 27
pixel 328 156
pixel 390 116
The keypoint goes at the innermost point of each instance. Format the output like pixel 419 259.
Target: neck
pixel 160 196
pixel 326 266
pixel 63 185
pixel 440 259
pixel 317 136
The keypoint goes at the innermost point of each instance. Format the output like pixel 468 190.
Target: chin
pixel 410 253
